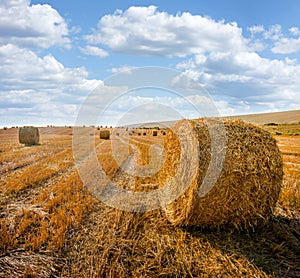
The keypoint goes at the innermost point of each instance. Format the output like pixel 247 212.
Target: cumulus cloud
pixel 160 108
pixel 256 29
pixel 281 43
pixel 246 77
pixel 295 31
pixel 46 83
pixel 287 45
pixel 146 31
pixel 218 55
pixel 94 51
pixel 275 39
pixel 214 54
pixel 274 32
pixel 122 69
pixel 35 88
pixel 44 72
pixel 28 25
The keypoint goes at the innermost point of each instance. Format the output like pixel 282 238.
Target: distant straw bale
pixel 29 135
pixel 104 134
pixel 154 133
pixel 247 188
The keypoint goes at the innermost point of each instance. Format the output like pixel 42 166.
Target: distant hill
pixel 285 117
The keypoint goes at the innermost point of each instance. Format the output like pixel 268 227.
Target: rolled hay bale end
pixel 247 187
pixel 105 134
pixel 144 134
pixel 29 135
pixel 154 133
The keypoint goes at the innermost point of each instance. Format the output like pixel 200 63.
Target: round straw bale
pixel 104 134
pixel 29 135
pixel 245 191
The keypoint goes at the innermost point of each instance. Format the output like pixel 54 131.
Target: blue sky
pixel 53 54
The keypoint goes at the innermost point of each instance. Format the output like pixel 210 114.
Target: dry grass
pixel 144 245
pixel 20 157
pixel 36 173
pixel 52 227
pixel 28 264
pixel 290 194
pixel 112 243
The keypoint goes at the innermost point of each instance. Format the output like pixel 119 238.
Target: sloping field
pixel 51 226
pixel 286 117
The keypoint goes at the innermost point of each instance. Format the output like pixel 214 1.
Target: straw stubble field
pixel 51 226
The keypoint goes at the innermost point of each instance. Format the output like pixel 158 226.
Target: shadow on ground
pixel 274 248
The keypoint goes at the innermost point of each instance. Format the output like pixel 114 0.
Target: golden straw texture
pixel 29 135
pixel 104 134
pixel 248 184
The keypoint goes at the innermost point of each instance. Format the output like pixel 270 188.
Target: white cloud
pixel 38 87
pixel 44 91
pixel 219 57
pixel 257 45
pixel 246 77
pixel 275 39
pixel 256 29
pixel 146 31
pixel 232 107
pixel 278 42
pixel 295 31
pixel 287 46
pixel 122 69
pixel 32 26
pixel 94 51
pixel 273 33
pixel 42 71
pixel 138 108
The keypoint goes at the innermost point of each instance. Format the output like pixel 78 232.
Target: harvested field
pixel 51 226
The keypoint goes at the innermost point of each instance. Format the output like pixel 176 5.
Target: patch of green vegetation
pixel 283 129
